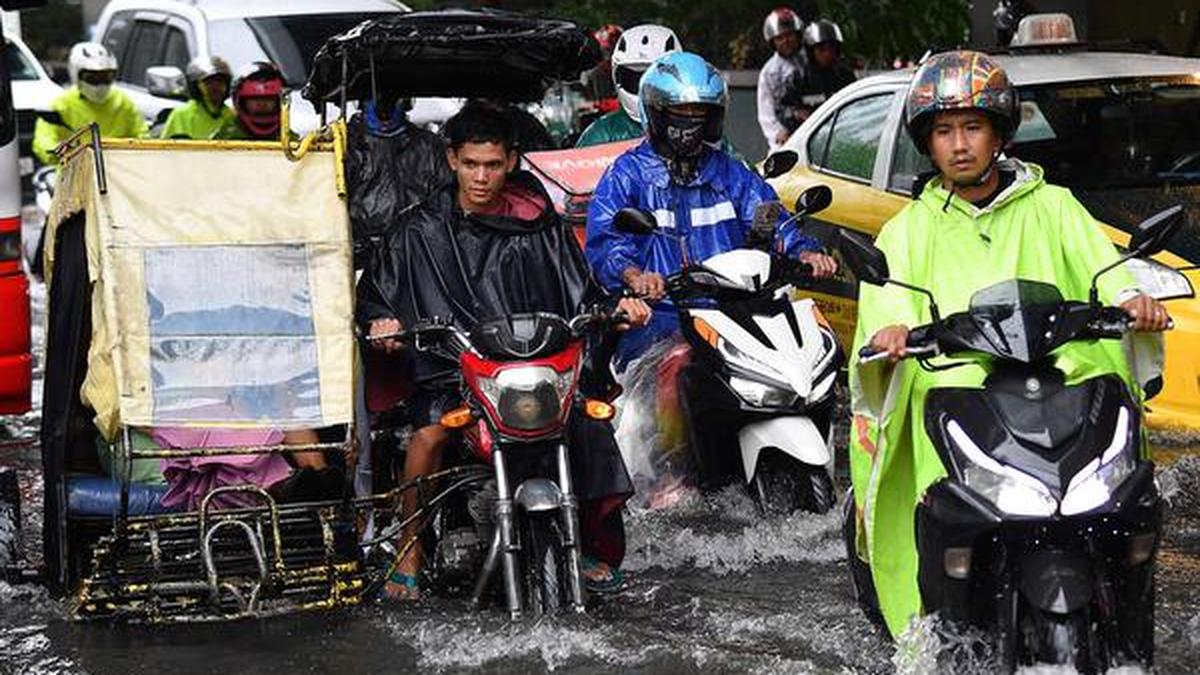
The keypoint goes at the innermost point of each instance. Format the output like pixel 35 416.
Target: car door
pixel 141 40
pixel 848 148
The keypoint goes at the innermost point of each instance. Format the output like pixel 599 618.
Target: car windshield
pixel 1113 134
pixel 290 42
pixel 19 67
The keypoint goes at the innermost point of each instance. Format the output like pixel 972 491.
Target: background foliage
pixel 729 32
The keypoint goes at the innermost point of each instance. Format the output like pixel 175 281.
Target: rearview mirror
pixel 166 82
pixel 814 198
pixel 634 221
pixel 1153 233
pixel 862 257
pixel 779 163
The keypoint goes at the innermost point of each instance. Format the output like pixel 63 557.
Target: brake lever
pixel 868 355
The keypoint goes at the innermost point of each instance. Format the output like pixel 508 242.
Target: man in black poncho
pixel 390 166
pixel 490 244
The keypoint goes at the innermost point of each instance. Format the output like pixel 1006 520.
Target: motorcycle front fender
pixel 794 435
pixel 1056 581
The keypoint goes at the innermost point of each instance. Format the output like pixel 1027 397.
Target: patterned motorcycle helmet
pixel 960 80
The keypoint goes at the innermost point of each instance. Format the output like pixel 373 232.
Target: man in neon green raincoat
pixel 92 99
pixel 208 79
pixel 981 221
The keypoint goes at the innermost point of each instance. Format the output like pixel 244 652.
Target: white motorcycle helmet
pixel 86 59
pixel 635 50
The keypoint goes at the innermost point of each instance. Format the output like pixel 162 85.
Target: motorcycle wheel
pixel 860 571
pixel 1063 640
pixel 543 563
pixel 783 484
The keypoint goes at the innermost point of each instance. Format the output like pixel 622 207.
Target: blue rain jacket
pixel 711 215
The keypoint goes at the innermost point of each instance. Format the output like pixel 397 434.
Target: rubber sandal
pixel 410 585
pixel 600 577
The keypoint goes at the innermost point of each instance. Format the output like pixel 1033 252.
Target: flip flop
pixel 600 577
pixel 409 588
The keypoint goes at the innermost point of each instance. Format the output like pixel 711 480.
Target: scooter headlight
pixel 1093 486
pixel 528 398
pixel 761 394
pixel 1012 491
pixel 754 381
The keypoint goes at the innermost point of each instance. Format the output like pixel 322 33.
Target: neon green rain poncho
pixel 192 120
pixel 1030 231
pixel 117 116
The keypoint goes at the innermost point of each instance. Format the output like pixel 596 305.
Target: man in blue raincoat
pixel 702 199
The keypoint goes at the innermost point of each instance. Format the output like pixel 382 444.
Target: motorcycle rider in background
pixel 780 76
pixel 826 72
pixel 91 98
pixel 208 80
pixel 983 219
pixel 635 50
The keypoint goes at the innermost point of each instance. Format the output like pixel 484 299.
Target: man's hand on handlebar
pixel 389 345
pixel 648 285
pixel 1147 313
pixel 893 340
pixel 823 266
pixel 637 313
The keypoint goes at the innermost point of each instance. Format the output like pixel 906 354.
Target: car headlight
pixel 1094 484
pixel 1012 491
pixel 762 394
pixel 528 397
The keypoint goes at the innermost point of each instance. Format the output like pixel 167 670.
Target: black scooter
pixel 1046 528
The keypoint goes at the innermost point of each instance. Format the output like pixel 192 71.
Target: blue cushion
pixel 101 496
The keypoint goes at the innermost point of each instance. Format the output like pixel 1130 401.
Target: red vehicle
pixel 16 363
pixel 520 381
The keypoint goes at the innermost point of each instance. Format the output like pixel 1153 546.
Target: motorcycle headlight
pixel 528 397
pixel 762 394
pixel 1094 484
pixel 1012 491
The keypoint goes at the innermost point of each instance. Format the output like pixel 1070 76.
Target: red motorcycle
pixel 521 388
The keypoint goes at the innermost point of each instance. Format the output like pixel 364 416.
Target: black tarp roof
pixel 454 53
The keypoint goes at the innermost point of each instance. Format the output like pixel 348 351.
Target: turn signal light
pixel 958 562
pixel 706 331
pixel 1141 547
pixel 458 418
pixel 599 410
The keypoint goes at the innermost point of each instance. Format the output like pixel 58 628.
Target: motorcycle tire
pixel 1063 640
pixel 543 565
pixel 860 572
pixel 783 485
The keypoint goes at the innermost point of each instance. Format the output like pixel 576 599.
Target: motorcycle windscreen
pixel 1009 319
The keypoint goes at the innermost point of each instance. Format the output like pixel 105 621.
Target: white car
pixel 145 34
pixel 32 92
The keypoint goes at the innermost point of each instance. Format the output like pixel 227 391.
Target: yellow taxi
pixel 1121 130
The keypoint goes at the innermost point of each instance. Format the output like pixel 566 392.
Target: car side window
pixel 907 164
pixel 175 52
pixel 818 143
pixel 116 38
pixel 854 138
pixel 145 50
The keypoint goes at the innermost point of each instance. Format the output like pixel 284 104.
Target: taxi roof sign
pixel 1039 30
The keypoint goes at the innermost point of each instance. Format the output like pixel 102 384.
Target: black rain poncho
pixel 385 175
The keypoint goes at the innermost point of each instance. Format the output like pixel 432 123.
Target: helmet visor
pixel 97 77
pixel 628 78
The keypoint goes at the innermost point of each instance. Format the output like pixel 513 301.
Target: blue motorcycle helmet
pixel 682 79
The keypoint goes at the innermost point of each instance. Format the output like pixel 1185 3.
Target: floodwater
pixel 713 588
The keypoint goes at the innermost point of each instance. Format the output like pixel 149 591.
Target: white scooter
pixel 762 371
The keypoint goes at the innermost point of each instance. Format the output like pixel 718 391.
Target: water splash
pixel 725 533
